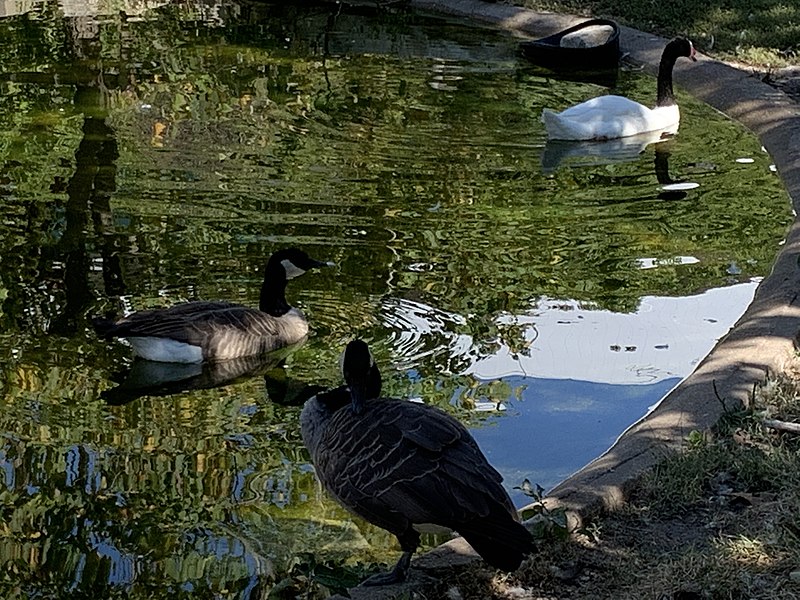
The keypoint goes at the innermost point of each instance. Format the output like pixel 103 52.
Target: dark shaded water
pixel 545 297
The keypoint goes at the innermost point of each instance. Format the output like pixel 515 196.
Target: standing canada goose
pixel 610 117
pixel 196 331
pixel 397 463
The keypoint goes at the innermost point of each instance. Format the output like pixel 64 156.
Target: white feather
pixel 612 117
pixel 165 350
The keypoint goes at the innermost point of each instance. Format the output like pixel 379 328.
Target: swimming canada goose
pixel 196 331
pixel 610 117
pixel 397 463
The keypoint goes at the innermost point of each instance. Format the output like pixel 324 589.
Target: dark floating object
pixel 589 46
pixel 398 463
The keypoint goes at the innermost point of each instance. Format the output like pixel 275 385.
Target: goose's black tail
pixel 500 540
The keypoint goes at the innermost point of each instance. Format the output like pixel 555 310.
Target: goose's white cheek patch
pixel 291 269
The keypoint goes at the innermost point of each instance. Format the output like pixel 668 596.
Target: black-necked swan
pixel 197 331
pixel 609 117
pixel 398 463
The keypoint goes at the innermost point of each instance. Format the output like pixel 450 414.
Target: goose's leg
pixel 409 540
pixel 396 575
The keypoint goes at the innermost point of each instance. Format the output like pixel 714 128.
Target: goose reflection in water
pixel 152 378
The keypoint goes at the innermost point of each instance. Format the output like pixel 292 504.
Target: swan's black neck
pixel 273 290
pixel 665 96
pixel 662 166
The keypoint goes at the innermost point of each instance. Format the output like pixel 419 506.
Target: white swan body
pixel 612 117
pixel 608 118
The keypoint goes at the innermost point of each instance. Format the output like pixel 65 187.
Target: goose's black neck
pixel 373 383
pixel 366 387
pixel 273 290
pixel 361 374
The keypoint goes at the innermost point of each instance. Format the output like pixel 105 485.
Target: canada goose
pixel 610 117
pixel 397 463
pixel 197 331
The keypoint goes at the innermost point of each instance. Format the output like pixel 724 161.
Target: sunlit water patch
pixel 546 294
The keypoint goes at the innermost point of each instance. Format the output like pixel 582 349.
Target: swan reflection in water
pixel 594 153
pixel 590 154
pixel 151 378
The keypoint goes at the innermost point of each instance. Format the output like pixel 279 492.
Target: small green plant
pixel 542 522
pixel 695 439
pixel 548 524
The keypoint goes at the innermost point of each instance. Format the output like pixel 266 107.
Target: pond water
pixel 547 295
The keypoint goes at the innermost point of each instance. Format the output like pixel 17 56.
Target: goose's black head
pixel 680 47
pixel 282 266
pixel 361 374
pixel 294 262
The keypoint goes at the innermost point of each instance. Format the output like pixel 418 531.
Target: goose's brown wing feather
pixel 194 322
pixel 401 460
